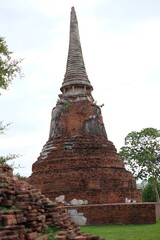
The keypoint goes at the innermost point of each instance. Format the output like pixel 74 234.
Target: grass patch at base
pixel 125 232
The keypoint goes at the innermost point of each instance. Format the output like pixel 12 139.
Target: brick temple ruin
pixel 25 213
pixel 78 162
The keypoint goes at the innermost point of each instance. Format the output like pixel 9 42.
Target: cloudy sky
pixel 121 48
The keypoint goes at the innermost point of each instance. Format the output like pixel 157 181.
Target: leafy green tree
pixel 142 154
pixel 4 159
pixel 148 192
pixel 9 69
pixel 3 127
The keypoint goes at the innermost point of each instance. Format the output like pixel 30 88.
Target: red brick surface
pixel 34 211
pixel 78 160
pixel 91 168
pixel 130 213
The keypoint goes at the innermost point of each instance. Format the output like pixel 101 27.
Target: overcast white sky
pixel 121 48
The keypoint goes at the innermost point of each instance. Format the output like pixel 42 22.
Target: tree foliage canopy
pixel 3 127
pixel 4 159
pixel 142 154
pixel 9 67
pixel 148 192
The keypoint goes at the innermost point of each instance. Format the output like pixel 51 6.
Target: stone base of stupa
pixel 87 168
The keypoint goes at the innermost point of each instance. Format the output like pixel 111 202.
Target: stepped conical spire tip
pixel 75 75
pixel 72 9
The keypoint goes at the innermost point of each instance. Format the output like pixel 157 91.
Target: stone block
pixel 9 220
pixel 80 238
pixel 12 237
pixel 61 198
pixel 60 237
pixel 41 218
pixel 44 237
pixel 31 235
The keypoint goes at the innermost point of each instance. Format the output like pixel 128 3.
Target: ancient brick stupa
pixel 78 160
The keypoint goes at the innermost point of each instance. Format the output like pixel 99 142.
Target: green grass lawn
pixel 125 232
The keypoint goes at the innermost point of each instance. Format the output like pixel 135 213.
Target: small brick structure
pixel 33 211
pixel 119 213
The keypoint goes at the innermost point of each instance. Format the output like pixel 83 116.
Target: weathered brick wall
pixel 33 213
pixel 130 213
pixel 79 161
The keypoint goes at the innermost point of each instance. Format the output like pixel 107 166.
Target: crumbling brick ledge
pixel 24 212
pixel 119 213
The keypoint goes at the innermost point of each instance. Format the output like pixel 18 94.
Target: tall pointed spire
pixel 78 161
pixel 75 70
